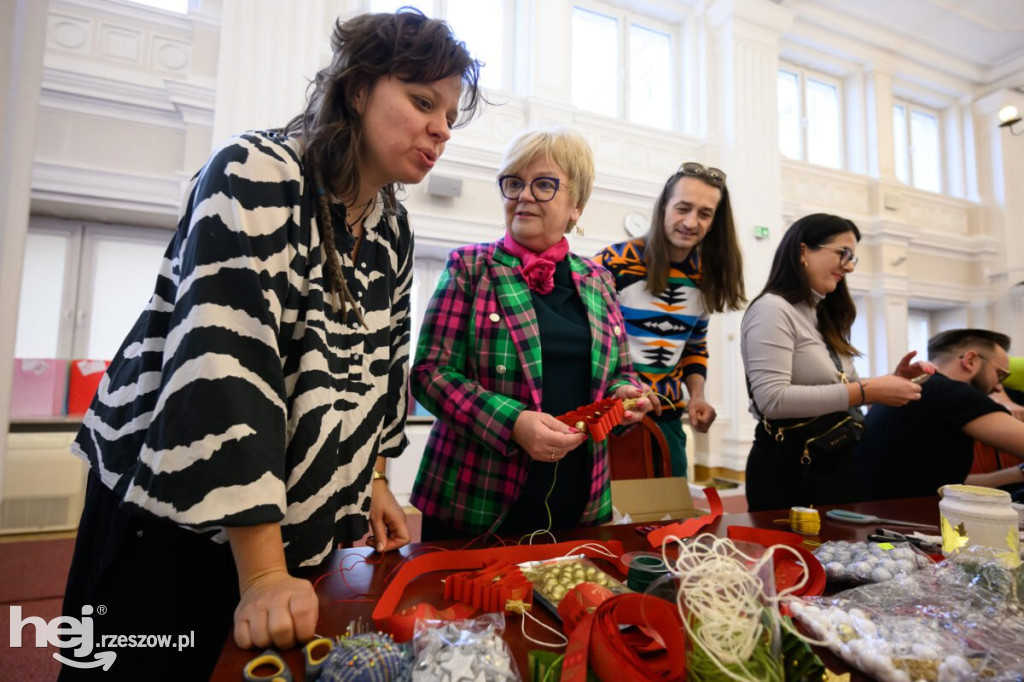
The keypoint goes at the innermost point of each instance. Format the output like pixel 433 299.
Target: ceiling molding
pixel 167 103
pixel 100 187
pixel 832 35
pixel 126 9
pixel 931 32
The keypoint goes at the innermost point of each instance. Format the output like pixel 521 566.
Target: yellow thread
pixel 661 397
pixel 805 520
pixel 547 508
pixel 517 606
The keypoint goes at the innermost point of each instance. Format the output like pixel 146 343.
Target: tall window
pixel 426 272
pixel 83 287
pixel 484 25
pixel 917 148
pixel 810 123
pixel 178 6
pixel 918 332
pixel 622 66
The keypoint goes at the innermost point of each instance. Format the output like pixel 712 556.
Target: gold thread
pixel 805 520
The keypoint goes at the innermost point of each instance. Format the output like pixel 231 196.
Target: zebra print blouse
pixel 240 397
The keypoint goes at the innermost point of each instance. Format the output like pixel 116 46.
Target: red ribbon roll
pixel 612 654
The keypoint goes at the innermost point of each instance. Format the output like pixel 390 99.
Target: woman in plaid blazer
pixel 517 331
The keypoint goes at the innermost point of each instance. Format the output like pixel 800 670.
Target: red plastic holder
pixel 596 419
pixel 492 588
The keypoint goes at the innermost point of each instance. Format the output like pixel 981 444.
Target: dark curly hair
pixel 406 45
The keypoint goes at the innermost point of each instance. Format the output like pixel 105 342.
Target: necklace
pixel 361 216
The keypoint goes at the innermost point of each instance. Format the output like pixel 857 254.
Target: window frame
pixel 92 236
pixel 625 20
pixel 72 231
pixel 803 75
pixel 918 317
pixel 508 11
pixel 909 107
pixel 79 269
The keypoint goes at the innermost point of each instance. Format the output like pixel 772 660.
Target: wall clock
pixel 636 224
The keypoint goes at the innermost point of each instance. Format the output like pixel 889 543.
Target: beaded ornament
pixel 373 657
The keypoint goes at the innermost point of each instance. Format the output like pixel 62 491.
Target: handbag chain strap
pixel 780 432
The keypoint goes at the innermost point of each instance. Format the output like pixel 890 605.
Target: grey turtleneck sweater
pixel 789 367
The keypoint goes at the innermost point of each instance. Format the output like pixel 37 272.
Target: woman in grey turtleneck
pixel 804 310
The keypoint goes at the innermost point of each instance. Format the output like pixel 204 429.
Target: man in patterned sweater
pixel 669 281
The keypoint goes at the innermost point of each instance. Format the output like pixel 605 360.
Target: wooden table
pixel 365 575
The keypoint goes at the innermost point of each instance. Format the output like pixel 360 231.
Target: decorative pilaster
pixel 1001 177
pixel 881 152
pixel 268 55
pixel 23 33
pixel 743 60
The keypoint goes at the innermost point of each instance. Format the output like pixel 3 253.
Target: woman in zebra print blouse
pixel 242 430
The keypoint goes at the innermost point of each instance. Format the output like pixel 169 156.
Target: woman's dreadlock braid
pixel 341 297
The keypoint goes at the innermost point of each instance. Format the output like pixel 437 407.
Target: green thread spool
pixel 644 569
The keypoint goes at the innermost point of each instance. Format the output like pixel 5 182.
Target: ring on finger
pixel 553 454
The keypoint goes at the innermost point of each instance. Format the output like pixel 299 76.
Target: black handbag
pixel 823 436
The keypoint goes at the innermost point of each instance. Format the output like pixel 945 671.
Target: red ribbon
pixel 400 627
pixel 613 655
pixel 689 527
pixel 788 571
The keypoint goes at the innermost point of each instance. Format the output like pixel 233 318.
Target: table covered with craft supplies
pixel 889 611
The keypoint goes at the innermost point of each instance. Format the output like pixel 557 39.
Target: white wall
pixel 127 112
pixel 22 24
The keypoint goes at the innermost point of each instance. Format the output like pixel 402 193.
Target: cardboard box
pixel 85 379
pixel 654 499
pixel 38 387
pixel 734 500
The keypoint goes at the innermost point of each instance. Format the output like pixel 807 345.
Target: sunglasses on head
pixel 713 176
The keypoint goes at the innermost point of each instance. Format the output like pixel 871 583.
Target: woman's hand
pixel 543 437
pixel 387 519
pixel 275 609
pixel 702 415
pixel 891 390
pixel 909 370
pixel 642 405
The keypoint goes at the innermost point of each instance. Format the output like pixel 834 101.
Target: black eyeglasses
pixel 1001 374
pixel 542 188
pixel 693 169
pixel 846 256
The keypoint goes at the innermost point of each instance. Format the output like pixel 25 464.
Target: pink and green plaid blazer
pixel 478 365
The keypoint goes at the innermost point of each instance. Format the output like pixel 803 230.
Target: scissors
pixel 854 517
pixel 886 535
pixel 314 653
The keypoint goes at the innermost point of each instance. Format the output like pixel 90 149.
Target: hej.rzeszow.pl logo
pixel 64 632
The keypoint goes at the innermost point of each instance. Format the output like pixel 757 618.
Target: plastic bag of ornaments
pixel 953 621
pixel 869 562
pixel 470 650
pixel 553 578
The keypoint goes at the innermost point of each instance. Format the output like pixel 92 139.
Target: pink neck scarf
pixel 538 269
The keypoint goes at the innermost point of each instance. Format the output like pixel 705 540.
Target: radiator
pixel 44 484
